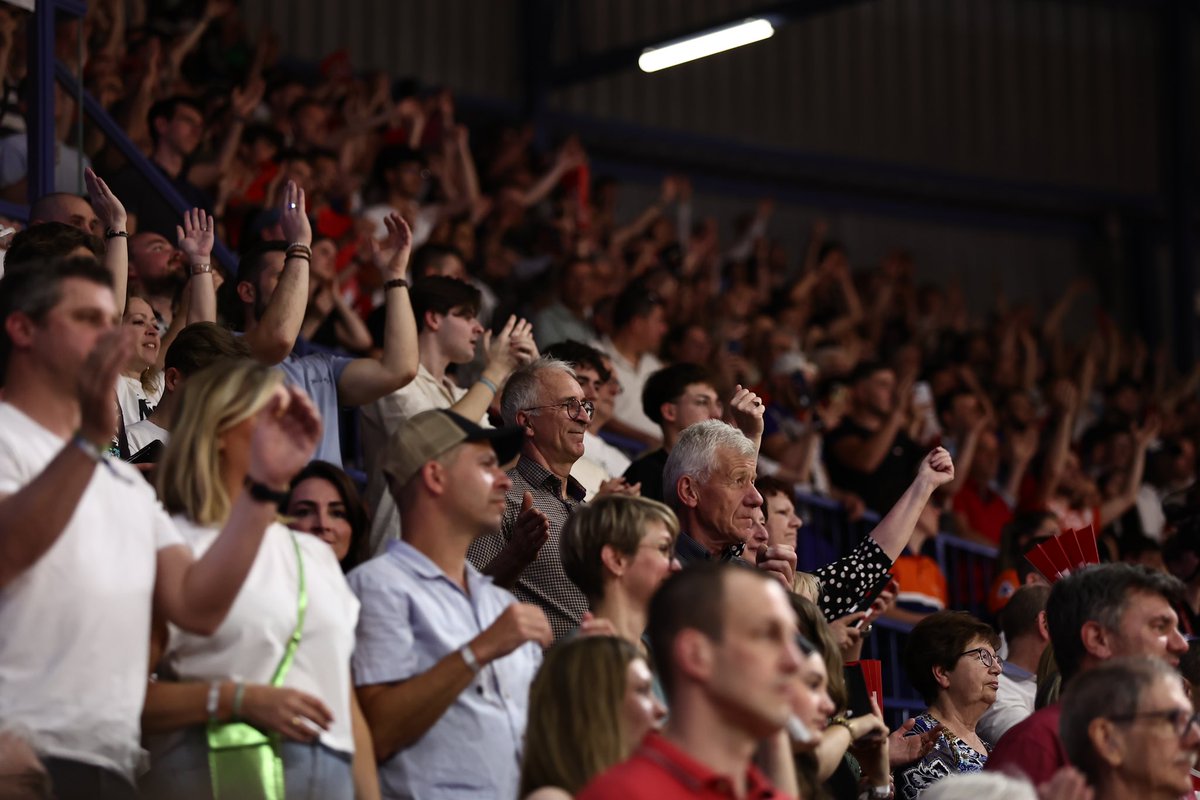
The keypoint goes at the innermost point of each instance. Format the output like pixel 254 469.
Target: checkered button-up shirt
pixel 543 581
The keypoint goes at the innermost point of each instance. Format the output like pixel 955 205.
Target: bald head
pixel 69 209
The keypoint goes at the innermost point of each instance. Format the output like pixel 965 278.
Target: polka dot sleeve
pixel 845 582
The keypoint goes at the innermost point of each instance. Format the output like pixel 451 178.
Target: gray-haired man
pixel 709 481
pixel 546 401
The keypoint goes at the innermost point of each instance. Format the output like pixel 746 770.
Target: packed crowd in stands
pixel 461 485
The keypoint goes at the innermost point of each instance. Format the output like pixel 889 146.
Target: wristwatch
pixel 263 493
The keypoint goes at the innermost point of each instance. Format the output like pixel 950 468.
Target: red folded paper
pixel 1061 555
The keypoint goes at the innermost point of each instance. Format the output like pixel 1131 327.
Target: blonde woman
pixel 317 727
pixel 618 550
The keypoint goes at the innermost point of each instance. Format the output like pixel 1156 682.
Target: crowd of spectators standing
pixel 458 484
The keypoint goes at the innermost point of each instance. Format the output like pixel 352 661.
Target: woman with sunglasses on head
pixel 275 675
pixel 951 659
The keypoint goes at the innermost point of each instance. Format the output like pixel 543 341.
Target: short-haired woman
pixel 951 659
pixel 618 550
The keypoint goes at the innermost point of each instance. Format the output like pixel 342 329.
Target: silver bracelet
pixel 214 699
pixel 201 268
pixel 468 657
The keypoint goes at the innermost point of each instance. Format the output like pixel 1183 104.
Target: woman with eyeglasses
pixel 618 550
pixel 951 660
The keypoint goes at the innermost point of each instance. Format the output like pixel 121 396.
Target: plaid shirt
pixel 543 582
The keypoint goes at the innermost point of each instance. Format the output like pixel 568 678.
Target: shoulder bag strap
pixel 289 652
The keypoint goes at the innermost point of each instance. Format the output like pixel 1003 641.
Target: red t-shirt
pixel 1031 747
pixel 989 516
pixel 658 770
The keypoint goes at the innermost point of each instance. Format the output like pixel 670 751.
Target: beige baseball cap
pixel 425 436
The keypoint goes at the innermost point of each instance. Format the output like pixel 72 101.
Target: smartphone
pixel 871 597
pixel 150 454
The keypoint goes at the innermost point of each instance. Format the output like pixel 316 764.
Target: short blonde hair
pixel 213 400
pixel 807 586
pixel 618 521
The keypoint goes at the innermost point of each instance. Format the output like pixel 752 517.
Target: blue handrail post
pixel 40 121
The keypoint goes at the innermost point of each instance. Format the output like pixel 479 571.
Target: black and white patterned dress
pixel 845 582
pixel 950 755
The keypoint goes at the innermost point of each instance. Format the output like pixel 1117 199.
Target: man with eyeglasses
pixel 674 397
pixel 1095 615
pixel 1129 726
pixel 547 402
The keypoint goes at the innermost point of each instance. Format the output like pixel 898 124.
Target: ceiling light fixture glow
pixel 706 44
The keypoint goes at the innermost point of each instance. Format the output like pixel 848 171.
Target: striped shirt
pixel 543 581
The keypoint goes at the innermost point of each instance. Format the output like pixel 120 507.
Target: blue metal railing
pixel 45 68
pixel 828 534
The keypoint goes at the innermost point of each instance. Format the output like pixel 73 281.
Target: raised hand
pixel 747 409
pixel 293 219
pixel 780 561
pixel 97 385
pixel 904 749
pixel 398 244
pixel 290 712
pixel 520 623
pixel 196 236
pixel 530 531
pixel 595 626
pixel 1147 432
pixel 619 485
pixel 846 631
pixel 244 99
pixel 937 468
pixel 285 437
pixel 108 208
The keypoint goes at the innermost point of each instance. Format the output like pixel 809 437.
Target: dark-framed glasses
pixel 1181 719
pixel 986 657
pixel 572 406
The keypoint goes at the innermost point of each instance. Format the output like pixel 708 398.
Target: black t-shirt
pixel 879 489
pixel 648 471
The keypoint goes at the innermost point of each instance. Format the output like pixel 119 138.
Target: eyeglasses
pixel 986 657
pixel 1181 719
pixel 666 549
pixel 573 406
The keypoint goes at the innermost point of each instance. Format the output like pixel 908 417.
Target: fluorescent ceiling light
pixel 706 44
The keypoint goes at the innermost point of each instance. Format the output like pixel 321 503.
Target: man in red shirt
pixel 728 684
pixel 1095 614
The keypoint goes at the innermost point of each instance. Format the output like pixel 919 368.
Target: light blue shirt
pixel 412 617
pixel 318 373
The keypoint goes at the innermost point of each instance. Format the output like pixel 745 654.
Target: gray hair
pixel 980 786
pixel 1111 690
pixel 696 452
pixel 524 387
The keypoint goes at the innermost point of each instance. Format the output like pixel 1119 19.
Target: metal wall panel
pixel 469 45
pixel 1046 91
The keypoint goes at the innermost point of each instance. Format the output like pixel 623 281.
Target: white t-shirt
pixel 627 408
pixel 250 642
pixel 610 458
pixel 75 627
pixel 130 391
pixel 143 433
